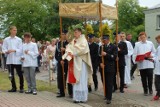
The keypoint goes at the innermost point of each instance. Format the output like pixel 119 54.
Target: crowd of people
pixel 75 63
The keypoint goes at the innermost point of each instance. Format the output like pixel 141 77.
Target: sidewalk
pixel 133 97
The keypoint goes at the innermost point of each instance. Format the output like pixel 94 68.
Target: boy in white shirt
pixel 29 59
pixel 157 70
pixel 145 66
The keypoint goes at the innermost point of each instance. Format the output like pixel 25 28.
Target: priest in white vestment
pixel 77 51
pixel 127 59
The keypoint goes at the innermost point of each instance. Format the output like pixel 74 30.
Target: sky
pixel 148 3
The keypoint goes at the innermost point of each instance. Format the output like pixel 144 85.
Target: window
pixel 158 21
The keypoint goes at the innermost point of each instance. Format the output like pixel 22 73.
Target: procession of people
pixel 75 64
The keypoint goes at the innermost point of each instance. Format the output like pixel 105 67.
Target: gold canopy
pixel 87 11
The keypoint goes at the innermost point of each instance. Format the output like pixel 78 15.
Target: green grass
pixel 5 84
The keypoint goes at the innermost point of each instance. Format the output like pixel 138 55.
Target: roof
pixel 155 7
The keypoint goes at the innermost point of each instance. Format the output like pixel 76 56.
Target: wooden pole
pixel 100 15
pixel 64 85
pixel 118 79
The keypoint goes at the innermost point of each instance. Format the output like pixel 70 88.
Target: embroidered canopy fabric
pixel 87 11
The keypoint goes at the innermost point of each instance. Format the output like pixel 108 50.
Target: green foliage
pixel 40 17
pixel 131 17
pixel 89 29
pixel 106 30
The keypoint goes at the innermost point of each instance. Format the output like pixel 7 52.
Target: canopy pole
pixel 101 34
pixel 118 79
pixel 64 85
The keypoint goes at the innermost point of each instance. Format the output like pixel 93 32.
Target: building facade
pixel 152 22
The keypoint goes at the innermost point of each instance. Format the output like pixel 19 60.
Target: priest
pixel 80 71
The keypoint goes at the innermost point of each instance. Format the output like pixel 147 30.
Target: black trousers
pixel 157 84
pixel 94 75
pixel 121 74
pixel 134 67
pixel 109 84
pixel 18 68
pixel 147 79
pixel 62 85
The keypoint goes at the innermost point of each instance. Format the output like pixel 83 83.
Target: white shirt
pixel 142 48
pixel 130 48
pixel 30 59
pixel 157 61
pixel 13 43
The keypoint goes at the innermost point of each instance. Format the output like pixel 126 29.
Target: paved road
pixel 133 97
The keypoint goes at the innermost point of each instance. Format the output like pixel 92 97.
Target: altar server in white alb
pixel 12 47
pixel 29 59
pixel 127 59
pixel 145 65
pixel 157 70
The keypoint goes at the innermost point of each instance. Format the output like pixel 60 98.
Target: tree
pixel 28 16
pixel 131 16
pixel 40 17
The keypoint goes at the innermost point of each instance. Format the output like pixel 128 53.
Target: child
pixel 29 59
pixel 157 70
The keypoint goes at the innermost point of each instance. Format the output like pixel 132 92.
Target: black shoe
pixel 34 93
pixel 89 89
pixel 132 78
pixel 21 91
pixel 28 92
pixel 121 91
pixel 108 101
pixel 59 96
pixel 150 92
pixel 76 102
pixel 12 90
pixel 104 98
pixel 146 93
pixel 71 96
pixel 96 88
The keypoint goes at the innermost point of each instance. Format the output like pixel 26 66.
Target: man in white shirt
pixel 12 46
pixel 127 59
pixel 145 66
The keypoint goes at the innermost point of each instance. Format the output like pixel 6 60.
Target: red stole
pixel 71 78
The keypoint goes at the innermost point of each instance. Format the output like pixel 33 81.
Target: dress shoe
pixel 89 89
pixel 108 101
pixel 76 102
pixel 21 91
pixel 121 91
pixel 146 93
pixel 96 88
pixel 150 92
pixel 59 96
pixel 104 98
pixel 71 96
pixel 12 90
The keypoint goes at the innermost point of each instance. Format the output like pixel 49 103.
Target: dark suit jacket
pixel 58 54
pixel 94 54
pixel 110 58
pixel 121 54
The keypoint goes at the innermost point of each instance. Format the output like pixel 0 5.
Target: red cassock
pixel 71 77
